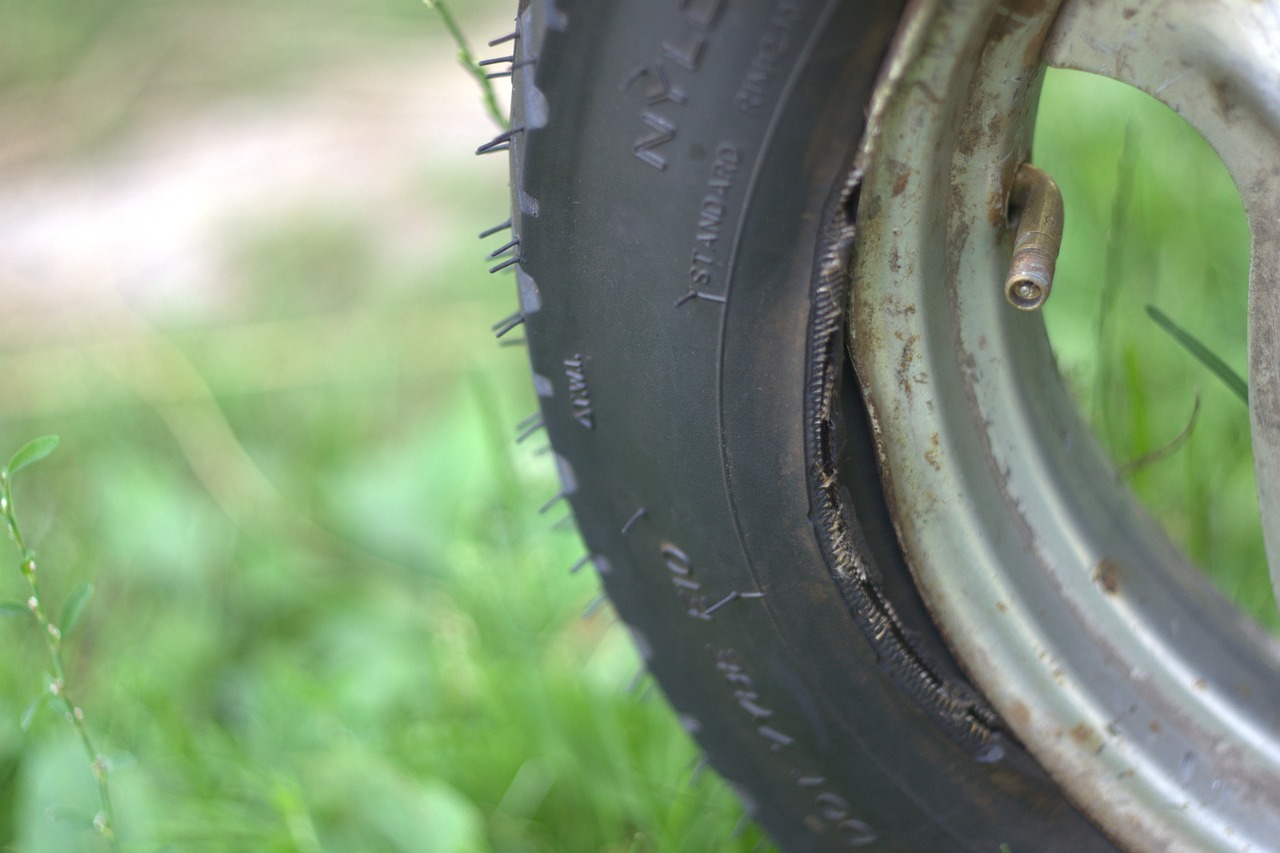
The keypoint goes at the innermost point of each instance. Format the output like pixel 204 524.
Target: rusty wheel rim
pixel 1151 699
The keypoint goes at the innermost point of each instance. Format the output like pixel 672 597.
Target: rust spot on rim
pixel 1107 575
pixel 904 362
pixel 931 455
pixel 901 177
pixel 1085 736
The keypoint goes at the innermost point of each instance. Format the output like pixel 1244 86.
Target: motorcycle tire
pixel 683 188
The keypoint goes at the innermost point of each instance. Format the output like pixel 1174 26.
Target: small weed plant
pixel 473 67
pixel 58 693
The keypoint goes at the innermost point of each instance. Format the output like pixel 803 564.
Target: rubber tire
pixel 712 443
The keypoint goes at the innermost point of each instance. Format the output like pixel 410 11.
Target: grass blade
pixel 1162 453
pixel 468 61
pixel 14 608
pixel 1202 353
pixel 73 608
pixel 32 452
pixel 1117 260
pixel 29 715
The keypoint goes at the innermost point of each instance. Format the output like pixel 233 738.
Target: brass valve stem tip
pixel 1036 204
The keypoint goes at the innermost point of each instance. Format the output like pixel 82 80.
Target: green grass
pixel 383 651
pixel 423 681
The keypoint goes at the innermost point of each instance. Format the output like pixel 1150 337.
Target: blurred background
pixel 239 278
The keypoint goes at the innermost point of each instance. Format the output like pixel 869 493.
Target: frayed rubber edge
pixel 953 705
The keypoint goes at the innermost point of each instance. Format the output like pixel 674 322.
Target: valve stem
pixel 1036 204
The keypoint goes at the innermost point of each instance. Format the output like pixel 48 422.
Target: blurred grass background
pixel 240 279
pixel 1153 219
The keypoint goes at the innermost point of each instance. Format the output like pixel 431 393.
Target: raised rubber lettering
pixel 772 48
pixel 703 14
pixel 685 53
pixel 663 132
pixel 681 52
pixel 712 212
pixel 658 86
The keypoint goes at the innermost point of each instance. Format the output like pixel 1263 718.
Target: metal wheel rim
pixel 1152 700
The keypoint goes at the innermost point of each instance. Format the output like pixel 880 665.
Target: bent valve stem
pixel 1036 203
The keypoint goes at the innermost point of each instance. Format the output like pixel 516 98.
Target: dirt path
pixel 148 218
pixel 96 252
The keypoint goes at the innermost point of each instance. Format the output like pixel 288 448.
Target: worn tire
pixel 682 181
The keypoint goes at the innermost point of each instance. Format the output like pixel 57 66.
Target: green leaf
pixel 29 715
pixel 1202 353
pixel 73 608
pixel 32 452
pixel 13 608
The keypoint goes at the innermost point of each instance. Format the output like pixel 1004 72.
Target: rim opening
pixel 1148 321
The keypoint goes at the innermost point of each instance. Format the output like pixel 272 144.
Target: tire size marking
pixel 711 217
pixel 833 812
pixel 683 51
pixel 579 393
pixel 734 670
pixel 680 570
pixel 689 590
pixel 772 48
